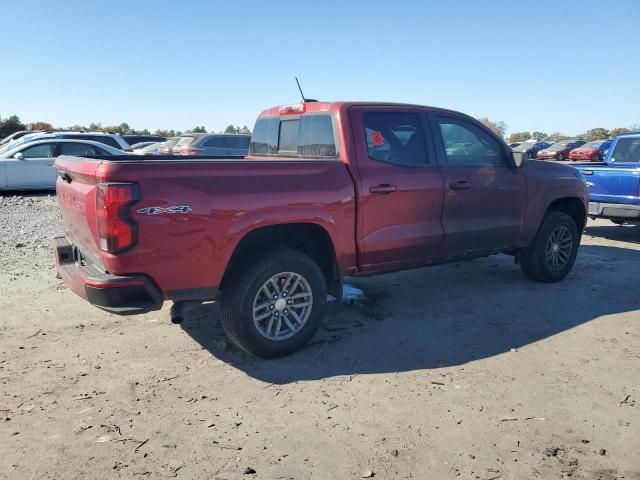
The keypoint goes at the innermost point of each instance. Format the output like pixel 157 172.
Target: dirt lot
pixel 465 370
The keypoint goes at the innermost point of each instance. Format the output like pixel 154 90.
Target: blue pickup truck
pixel 614 184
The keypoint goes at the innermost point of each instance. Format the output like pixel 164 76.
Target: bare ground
pixel 464 370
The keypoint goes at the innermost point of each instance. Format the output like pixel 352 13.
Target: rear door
pixel 34 170
pixel 484 194
pixel 400 188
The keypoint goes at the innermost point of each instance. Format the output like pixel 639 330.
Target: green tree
pixel 10 125
pixel 499 127
pixel 595 134
pixel 557 136
pixel 245 130
pixel 617 131
pixel 95 127
pixel 538 136
pixel 124 129
pixel 519 137
pixel 198 130
pixel 230 129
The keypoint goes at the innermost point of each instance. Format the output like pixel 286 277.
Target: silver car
pixel 209 144
pixel 29 166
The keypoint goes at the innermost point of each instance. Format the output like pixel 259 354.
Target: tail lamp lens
pixel 116 230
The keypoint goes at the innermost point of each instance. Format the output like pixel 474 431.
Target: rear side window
pixel 215 142
pixel 106 139
pixel 395 137
pixel 307 136
pixel 80 149
pixel 466 144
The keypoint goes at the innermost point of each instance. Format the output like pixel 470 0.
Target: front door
pixel 399 188
pixel 484 193
pixel 34 170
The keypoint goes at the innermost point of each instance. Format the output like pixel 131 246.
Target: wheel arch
pixel 309 238
pixel 572 206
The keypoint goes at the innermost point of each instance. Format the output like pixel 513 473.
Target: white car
pixel 151 149
pixel 29 165
pixel 110 139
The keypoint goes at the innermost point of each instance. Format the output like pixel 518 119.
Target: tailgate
pixel 76 194
pixel 619 184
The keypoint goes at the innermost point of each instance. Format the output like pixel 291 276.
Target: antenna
pixel 300 88
pixel 304 100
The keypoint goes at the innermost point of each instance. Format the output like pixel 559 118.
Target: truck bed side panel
pixel 224 200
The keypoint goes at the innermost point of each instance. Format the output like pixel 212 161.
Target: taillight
pixel 116 230
pixel 191 151
pixel 292 109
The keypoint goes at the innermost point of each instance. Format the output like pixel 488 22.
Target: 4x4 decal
pixel 158 210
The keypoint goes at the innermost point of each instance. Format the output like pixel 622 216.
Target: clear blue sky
pixel 562 65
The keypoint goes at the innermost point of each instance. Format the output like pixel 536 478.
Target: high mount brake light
pixel 292 109
pixel 116 230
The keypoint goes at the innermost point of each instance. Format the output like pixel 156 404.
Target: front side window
pixel 627 150
pixel 44 150
pixel 467 144
pixel 395 137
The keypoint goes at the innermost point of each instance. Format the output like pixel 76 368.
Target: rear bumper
pixel 613 210
pixel 124 295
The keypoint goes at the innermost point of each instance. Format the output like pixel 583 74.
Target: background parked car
pixel 137 146
pixel 151 149
pixel 166 147
pixel 531 149
pixel 111 139
pixel 559 150
pixel 29 166
pixel 133 139
pixel 206 144
pixel 17 135
pixel 592 151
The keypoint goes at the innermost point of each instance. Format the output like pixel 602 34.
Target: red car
pixel 592 151
pixel 328 190
pixel 559 150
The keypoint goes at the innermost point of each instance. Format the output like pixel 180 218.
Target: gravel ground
pixel 458 371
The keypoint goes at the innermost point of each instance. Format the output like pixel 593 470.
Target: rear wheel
pixel 560 157
pixel 273 305
pixel 553 252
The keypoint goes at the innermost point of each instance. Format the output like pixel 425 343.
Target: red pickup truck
pixel 327 190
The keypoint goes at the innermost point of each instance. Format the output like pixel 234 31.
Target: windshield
pixel 627 150
pixel 16 143
pixel 558 146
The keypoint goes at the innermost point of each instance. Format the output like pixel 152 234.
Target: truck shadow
pixel 626 233
pixel 441 316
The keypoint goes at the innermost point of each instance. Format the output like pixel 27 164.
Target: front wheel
pixel 273 305
pixel 553 252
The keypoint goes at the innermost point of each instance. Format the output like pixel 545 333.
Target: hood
pixel 558 170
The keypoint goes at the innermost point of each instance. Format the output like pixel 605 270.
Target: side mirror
pixel 19 156
pixel 518 158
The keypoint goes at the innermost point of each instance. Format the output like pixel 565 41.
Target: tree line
pixel 13 124
pixel 600 133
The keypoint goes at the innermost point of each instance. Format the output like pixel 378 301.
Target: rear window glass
pixel 184 142
pixel 288 137
pixel 308 136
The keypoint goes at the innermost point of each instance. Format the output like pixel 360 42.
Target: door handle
pixel 383 188
pixel 460 185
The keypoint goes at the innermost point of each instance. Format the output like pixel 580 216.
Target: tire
pixel 617 222
pixel 538 262
pixel 244 295
pixel 560 157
